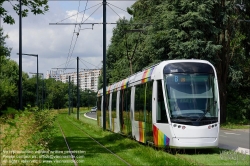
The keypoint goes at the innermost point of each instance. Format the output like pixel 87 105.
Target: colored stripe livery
pixel 147 75
pixel 141 132
pixel 165 105
pixel 160 139
pixel 124 84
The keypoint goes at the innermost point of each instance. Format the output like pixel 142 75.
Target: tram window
pixel 99 102
pixel 124 104
pixel 113 109
pixel 161 111
pixel 149 88
pixel 143 102
pixel 124 111
pixel 139 102
pixel 127 100
pixel 107 111
pixel 107 103
pixel 121 107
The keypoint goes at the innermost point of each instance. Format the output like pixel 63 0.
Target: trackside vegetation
pixel 217 31
pixel 131 150
pixel 24 133
pixel 35 138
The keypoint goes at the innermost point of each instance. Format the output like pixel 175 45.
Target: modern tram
pixel 174 104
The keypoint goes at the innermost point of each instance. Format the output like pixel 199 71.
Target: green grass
pixel 90 153
pixel 24 134
pixel 129 150
pixel 236 124
pixel 214 156
pixel 217 157
pixel 230 125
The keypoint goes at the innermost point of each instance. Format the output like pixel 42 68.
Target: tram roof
pixel 153 72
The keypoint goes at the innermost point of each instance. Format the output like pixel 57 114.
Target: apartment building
pixel 88 78
pixel 56 74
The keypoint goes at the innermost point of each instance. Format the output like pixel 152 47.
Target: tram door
pixel 98 112
pixel 143 112
pixel 124 112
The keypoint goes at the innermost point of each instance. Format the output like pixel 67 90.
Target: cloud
pixel 52 42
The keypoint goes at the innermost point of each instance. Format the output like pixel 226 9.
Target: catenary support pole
pixel 37 82
pixel 104 65
pixel 77 88
pixel 69 95
pixel 20 90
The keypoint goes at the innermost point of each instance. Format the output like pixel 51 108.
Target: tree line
pixel 51 93
pixel 214 30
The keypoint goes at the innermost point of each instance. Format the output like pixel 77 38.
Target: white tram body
pixel 174 103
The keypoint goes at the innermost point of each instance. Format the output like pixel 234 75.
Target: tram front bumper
pixel 195 142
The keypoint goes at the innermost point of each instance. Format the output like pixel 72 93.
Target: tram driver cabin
pixel 172 104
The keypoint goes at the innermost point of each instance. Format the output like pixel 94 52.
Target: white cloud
pixel 52 42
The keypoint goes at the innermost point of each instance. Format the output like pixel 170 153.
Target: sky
pixel 55 44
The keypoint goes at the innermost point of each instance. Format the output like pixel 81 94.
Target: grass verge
pixel 214 156
pixel 24 135
pixel 94 154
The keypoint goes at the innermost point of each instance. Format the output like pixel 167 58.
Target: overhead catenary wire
pixel 89 63
pixel 99 65
pixel 83 16
pixel 72 35
pixel 64 64
pixel 114 11
pixel 73 48
pixel 79 30
pixel 70 48
pixel 90 16
pixel 117 7
pixel 83 64
pixel 78 13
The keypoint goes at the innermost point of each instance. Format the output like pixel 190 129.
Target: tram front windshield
pixel 191 98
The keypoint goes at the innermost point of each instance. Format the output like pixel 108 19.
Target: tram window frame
pixel 107 111
pixel 99 103
pixel 161 116
pixel 124 110
pixel 113 104
pixel 140 98
pixel 139 102
pixel 98 111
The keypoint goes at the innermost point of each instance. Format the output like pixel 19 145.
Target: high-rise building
pixel 88 78
pixel 54 74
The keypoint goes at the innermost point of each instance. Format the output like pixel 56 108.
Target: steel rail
pixel 100 144
pixel 72 156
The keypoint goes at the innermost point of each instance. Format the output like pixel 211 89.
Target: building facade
pixel 88 78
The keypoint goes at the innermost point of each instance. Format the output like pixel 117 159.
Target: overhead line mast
pixel 104 52
pixel 104 65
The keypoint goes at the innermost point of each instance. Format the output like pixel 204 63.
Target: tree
pixel 4 51
pixel 29 91
pixel 8 75
pixel 33 6
pixel 200 29
pixel 8 83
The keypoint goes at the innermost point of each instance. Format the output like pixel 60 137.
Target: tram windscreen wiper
pixel 202 116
